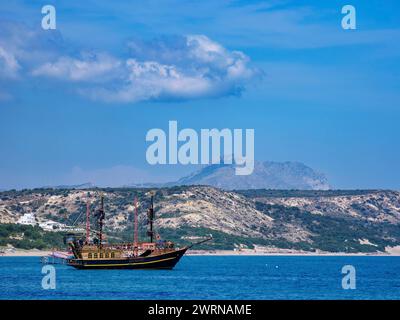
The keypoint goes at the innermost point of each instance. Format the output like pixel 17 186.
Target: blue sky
pixel 77 102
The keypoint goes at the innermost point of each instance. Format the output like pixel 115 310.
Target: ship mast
pixel 87 221
pixel 150 216
pixel 135 230
pixel 101 216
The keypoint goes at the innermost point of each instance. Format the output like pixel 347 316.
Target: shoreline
pixel 290 253
pixel 25 253
pixel 394 253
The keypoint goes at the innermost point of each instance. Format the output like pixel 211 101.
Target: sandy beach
pixel 25 253
pixel 389 252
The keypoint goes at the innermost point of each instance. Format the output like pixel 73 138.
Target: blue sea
pixel 210 277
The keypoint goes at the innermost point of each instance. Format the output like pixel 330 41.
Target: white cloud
pixel 88 68
pixel 151 80
pixel 167 68
pixel 21 49
pixel 180 68
pixel 9 65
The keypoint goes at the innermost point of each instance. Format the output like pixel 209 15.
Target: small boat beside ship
pixel 97 254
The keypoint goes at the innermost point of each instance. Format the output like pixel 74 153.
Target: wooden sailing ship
pixel 97 254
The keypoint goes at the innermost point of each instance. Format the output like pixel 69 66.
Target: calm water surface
pixel 210 277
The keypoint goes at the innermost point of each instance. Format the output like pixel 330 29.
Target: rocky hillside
pixel 332 221
pixel 266 175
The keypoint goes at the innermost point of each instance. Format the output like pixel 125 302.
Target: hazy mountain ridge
pixel 266 175
pixel 345 221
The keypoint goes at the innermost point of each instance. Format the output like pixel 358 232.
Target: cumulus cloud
pixel 188 67
pixel 152 80
pixel 177 68
pixel 166 68
pixel 88 67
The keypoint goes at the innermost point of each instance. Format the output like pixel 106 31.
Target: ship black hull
pixel 161 261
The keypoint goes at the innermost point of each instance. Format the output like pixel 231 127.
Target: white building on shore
pixel 51 225
pixel 28 219
pixel 47 225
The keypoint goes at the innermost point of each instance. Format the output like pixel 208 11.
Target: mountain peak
pixel 266 175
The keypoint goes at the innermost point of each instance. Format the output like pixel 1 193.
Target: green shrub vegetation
pixel 29 237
